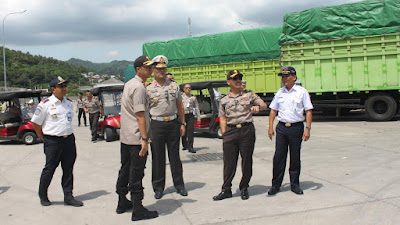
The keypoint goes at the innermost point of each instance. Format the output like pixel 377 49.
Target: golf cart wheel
pixel 218 132
pixel 109 134
pixel 29 138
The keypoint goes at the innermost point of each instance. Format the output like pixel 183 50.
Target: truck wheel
pixel 108 134
pixel 218 132
pixel 380 107
pixel 29 138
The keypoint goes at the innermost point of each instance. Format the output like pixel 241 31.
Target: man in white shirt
pixel 290 101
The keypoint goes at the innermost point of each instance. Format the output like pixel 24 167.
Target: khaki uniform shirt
pixel 54 116
pixel 237 109
pixel 163 99
pixel 134 99
pixel 80 103
pixel 92 106
pixel 190 105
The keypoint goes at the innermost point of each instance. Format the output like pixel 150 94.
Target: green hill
pixel 113 68
pixel 31 71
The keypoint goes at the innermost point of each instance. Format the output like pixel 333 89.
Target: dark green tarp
pixel 365 18
pixel 237 46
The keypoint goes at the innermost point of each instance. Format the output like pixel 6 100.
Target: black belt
pixel 53 136
pixel 290 124
pixel 240 125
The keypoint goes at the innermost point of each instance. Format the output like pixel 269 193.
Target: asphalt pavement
pixel 350 175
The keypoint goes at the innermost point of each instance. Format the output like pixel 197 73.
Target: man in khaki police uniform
pixel 134 142
pixel 80 105
pixel 238 133
pixel 290 101
pixel 93 107
pixel 191 108
pixel 165 103
pixel 53 124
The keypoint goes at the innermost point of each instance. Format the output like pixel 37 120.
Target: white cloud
pixel 113 54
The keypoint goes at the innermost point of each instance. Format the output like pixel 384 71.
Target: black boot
pixel 123 204
pixel 139 212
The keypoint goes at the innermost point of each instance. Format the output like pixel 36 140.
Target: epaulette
pixel 45 100
pixel 69 99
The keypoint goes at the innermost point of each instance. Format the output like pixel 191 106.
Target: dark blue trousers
pixel 287 138
pixel 58 149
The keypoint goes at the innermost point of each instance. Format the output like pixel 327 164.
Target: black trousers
pixel 187 140
pixel 81 113
pixel 166 134
pixel 93 119
pixel 58 149
pixel 238 141
pixel 132 171
pixel 287 137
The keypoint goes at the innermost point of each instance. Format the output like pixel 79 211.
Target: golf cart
pixel 110 98
pixel 208 105
pixel 16 113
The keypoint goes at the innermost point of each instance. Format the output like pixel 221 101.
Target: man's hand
pixel 145 148
pixel 271 132
pixel 255 109
pixel 198 121
pixel 306 135
pixel 183 130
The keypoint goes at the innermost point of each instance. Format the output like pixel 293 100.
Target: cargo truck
pixel 346 56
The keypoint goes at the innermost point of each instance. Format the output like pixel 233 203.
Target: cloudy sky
pixel 106 30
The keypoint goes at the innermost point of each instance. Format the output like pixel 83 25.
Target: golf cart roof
pixel 19 94
pixel 114 87
pixel 206 84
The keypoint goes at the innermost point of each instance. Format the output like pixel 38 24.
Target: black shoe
pixel 297 190
pixel 94 140
pixel 182 192
pixel 73 202
pixel 273 190
pixel 158 195
pixel 244 194
pixel 79 125
pixel 191 150
pixel 143 214
pixel 223 195
pixel 45 201
pixel 184 148
pixel 123 205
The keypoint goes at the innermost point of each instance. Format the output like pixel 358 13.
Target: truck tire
pixel 380 107
pixel 29 138
pixel 109 134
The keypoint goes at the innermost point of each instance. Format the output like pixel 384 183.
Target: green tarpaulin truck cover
pixel 365 18
pixel 237 46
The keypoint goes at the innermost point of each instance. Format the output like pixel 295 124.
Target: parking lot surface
pixel 350 175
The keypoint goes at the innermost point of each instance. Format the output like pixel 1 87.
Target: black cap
pixel 142 61
pixel 287 71
pixel 57 80
pixel 234 73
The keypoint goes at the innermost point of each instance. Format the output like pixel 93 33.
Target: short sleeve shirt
pixel 237 109
pixel 291 104
pixel 54 116
pixel 80 103
pixel 163 99
pixel 134 99
pixel 93 106
pixel 190 104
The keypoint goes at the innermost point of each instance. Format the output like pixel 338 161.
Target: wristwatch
pixel 184 124
pixel 145 139
pixel 308 128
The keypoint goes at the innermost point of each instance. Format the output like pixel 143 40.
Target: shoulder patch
pixel 45 100
pixel 69 99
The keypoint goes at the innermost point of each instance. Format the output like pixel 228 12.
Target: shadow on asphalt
pixel 92 195
pixel 305 185
pixel 4 189
pixel 168 206
pixel 190 186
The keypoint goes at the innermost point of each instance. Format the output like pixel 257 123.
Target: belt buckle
pixel 65 136
pixel 239 125
pixel 288 124
pixel 186 112
pixel 166 118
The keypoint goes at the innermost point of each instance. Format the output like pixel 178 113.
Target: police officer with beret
pixel 134 142
pixel 288 106
pixel 93 107
pixel 238 133
pixel 53 124
pixel 165 103
pixel 191 107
